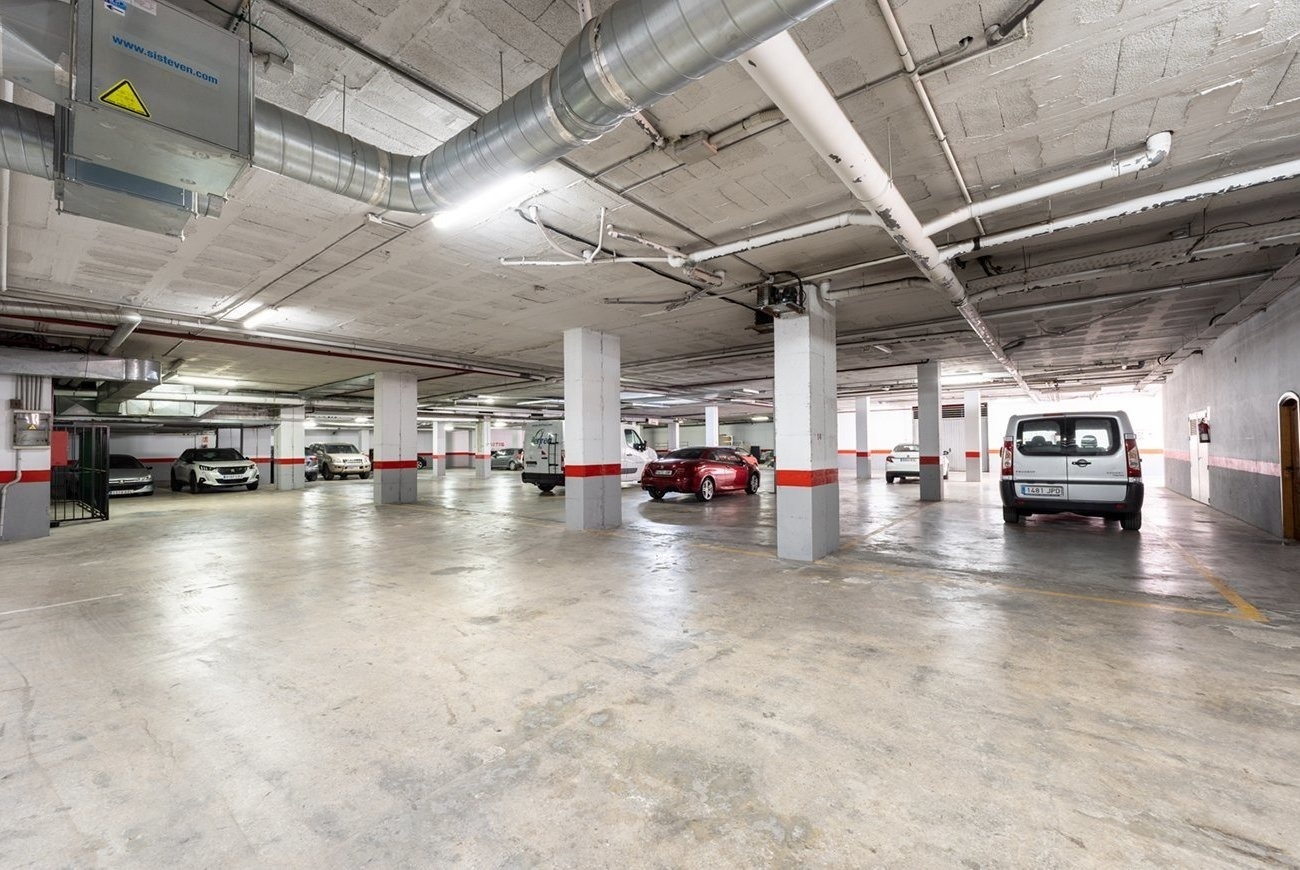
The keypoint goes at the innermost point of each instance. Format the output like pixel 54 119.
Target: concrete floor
pixel 303 679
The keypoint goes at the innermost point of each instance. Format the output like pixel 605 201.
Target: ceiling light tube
pixel 198 381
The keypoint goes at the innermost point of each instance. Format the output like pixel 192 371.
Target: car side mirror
pixel 946 452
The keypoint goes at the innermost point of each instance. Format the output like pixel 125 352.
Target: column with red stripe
pixel 394 463
pixel 973 436
pixel 439 449
pixel 290 441
pixel 807 456
pixel 592 431
pixel 862 452
pixel 483 449
pixel 928 412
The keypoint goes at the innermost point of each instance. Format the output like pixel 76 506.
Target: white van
pixel 1084 463
pixel 544 456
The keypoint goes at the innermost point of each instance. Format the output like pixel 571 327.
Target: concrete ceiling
pixel 1089 79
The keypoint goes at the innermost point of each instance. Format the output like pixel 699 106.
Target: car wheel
pixel 514 466
pixel 706 490
pixel 253 486
pixel 1010 516
pixel 656 494
pixel 365 475
pixel 194 483
pixel 751 486
pixel 945 475
pixel 546 487
pixel 177 486
pixel 889 478
pixel 309 477
pixel 326 472
pixel 1131 522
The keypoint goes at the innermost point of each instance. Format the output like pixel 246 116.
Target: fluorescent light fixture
pixel 882 348
pixel 360 419
pixel 310 423
pixel 197 381
pixel 760 419
pixel 751 391
pixel 488 201
pixel 257 318
pixel 242 310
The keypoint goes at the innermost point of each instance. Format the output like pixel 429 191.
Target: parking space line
pixel 1247 610
pixel 61 604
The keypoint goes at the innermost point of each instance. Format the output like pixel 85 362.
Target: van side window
pixel 1039 437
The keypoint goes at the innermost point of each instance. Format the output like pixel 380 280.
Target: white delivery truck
pixel 544 455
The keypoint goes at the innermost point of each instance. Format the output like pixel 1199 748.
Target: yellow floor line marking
pixel 1247 610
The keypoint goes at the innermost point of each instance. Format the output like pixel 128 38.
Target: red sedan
pixel 703 471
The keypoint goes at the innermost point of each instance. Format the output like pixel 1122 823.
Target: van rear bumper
pixel 1131 503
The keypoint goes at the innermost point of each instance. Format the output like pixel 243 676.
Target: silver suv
pixel 339 459
pixel 1084 463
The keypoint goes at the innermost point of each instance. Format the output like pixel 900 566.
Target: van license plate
pixel 1043 490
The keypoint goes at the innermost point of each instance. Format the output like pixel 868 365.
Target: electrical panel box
pixel 160 94
pixel 32 429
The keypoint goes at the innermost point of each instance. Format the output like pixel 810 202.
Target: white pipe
pixel 822 225
pixel 7 95
pixel 1156 150
pixel 130 321
pixel 784 74
pixel 909 66
pixel 1187 193
pixel 863 289
pixel 515 261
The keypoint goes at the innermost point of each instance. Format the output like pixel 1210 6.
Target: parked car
pixel 201 467
pixel 703 471
pixel 310 465
pixel 511 459
pixel 1086 463
pixel 339 459
pixel 128 476
pixel 905 461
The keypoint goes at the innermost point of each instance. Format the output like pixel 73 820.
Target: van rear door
pixel 1040 461
pixel 1098 471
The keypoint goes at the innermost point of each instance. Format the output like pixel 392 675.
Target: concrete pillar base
pixel 593 502
pixel 810 521
pixel 395 485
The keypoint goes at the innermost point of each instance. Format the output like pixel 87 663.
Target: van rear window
pixel 1068 436
pixel 1040 437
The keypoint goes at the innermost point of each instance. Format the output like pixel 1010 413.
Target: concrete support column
pixel 674 435
pixel 394 437
pixel 807 475
pixel 973 436
pixel 483 449
pixel 927 418
pixel 711 426
pixel 593 436
pixel 290 439
pixel 439 450
pixel 861 417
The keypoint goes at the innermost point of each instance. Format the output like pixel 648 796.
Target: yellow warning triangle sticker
pixel 123 96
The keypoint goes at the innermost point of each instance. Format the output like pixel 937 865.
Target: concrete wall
pixel 1240 379
pixel 27 499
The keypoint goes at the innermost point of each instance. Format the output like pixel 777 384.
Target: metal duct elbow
pixel 26 141
pixel 637 52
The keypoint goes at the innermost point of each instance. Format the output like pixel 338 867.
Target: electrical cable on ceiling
pixel 241 17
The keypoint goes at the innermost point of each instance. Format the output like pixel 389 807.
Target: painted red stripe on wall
pixel 805 477
pixel 861 454
pixel 609 470
pixel 30 475
pixel 392 464
pixel 972 454
pixel 1251 466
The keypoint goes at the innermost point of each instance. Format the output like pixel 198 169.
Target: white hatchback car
pixel 218 467
pixel 905 461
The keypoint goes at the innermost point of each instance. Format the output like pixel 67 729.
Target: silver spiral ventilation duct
pixel 621 62
pixel 26 141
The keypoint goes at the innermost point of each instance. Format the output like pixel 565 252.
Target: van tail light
pixel 1008 454
pixel 1131 454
